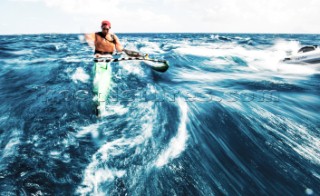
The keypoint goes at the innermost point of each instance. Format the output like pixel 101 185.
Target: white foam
pixel 75 59
pixel 197 51
pixel 80 75
pixel 98 172
pixel 297 69
pixel 177 144
pixel 270 59
pixel 309 191
pixel 91 129
pixel 267 59
pixel 297 136
pixel 55 154
pixel 151 48
pixel 11 147
pixel 132 67
pixel 22 52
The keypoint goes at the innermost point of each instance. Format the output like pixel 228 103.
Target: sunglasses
pixel 105 29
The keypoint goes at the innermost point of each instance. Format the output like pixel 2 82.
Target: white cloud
pixel 264 15
pixel 120 14
pixel 287 16
pixel 85 6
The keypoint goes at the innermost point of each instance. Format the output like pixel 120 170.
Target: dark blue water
pixel 227 118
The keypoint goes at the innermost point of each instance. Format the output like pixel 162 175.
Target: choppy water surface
pixel 226 118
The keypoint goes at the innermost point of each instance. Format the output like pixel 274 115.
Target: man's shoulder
pixel 114 36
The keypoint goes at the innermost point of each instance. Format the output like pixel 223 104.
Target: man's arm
pixel 90 39
pixel 118 45
pixel 120 48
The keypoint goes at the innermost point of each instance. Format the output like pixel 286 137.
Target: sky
pixel 177 16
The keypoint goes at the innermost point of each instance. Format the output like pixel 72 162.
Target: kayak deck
pixel 101 85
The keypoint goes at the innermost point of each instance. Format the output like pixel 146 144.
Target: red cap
pixel 106 23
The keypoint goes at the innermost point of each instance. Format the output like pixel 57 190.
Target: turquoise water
pixel 227 118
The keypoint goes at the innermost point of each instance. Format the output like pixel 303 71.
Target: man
pixel 106 42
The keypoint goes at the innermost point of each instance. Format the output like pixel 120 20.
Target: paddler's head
pixel 105 26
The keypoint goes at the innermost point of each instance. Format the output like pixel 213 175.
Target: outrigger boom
pixel 161 68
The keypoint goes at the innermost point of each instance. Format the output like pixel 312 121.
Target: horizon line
pixel 267 33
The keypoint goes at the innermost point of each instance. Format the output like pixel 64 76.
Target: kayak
pixel 306 54
pixel 102 73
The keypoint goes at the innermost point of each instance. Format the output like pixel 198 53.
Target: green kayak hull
pixel 101 85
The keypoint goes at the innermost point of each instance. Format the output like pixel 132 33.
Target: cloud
pixel 261 15
pixel 85 6
pixel 125 15
pixel 287 16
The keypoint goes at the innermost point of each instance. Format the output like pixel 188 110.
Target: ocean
pixel 227 118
